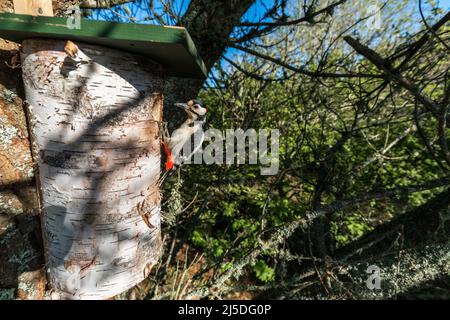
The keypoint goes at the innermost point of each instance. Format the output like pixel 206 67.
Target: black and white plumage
pixel 186 140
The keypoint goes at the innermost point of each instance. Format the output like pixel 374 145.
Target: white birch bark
pixel 95 136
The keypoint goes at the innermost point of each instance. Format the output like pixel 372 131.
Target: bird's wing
pixel 178 139
pixel 191 146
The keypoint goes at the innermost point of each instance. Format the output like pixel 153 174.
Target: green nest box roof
pixel 170 46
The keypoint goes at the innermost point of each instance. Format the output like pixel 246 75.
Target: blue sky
pixel 139 9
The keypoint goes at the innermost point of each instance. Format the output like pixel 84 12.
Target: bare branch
pixel 432 29
pixel 284 231
pixel 309 17
pixel 384 66
pixel 315 74
pixel 414 48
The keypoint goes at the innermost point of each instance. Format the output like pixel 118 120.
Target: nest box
pixel 94 111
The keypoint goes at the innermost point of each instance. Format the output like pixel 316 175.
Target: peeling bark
pixel 94 122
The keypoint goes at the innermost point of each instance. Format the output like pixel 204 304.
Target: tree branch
pixel 384 66
pixel 414 48
pixel 432 30
pixel 408 270
pixel 384 194
pixel 281 233
pixel 309 17
pixel 417 227
pixel 301 70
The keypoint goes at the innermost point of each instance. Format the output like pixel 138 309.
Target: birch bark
pixel 95 136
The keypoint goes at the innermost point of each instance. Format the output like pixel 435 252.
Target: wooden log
pixel 94 121
pixel 34 7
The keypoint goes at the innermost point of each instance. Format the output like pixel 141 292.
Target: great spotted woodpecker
pixel 182 144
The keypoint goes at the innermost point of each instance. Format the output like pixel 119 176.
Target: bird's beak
pixel 182 106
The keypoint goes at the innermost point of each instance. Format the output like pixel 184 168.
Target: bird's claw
pixel 164 131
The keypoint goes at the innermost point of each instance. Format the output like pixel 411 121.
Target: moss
pixel 7 294
pixel 7 132
pixel 408 270
pixel 174 204
pixel 28 288
pixel 9 95
pixel 22 259
pixel 10 233
pixel 10 204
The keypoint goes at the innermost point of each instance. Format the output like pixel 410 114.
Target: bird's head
pixel 194 108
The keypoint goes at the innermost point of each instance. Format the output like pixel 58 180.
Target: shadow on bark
pixel 20 242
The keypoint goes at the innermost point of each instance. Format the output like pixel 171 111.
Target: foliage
pixel 363 151
pixel 340 138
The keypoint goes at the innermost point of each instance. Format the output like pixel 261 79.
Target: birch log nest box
pixel 95 107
